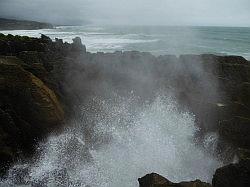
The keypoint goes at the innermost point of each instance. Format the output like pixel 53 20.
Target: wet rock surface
pixel 28 95
pixel 233 175
pixel 42 83
pixel 156 180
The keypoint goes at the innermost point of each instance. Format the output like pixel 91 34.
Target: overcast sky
pixel 138 12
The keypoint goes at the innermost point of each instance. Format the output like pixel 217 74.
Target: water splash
pixel 120 140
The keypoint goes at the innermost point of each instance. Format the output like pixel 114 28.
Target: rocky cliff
pixel 42 83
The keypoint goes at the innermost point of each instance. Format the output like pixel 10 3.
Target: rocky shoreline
pixel 13 24
pixel 42 83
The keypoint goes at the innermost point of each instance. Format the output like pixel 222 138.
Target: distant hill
pixel 12 24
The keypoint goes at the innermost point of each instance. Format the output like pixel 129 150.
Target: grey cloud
pixel 143 12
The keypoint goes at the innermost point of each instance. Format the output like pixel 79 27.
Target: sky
pixel 131 12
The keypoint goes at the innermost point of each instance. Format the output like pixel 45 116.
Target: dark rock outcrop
pixel 156 180
pixel 28 110
pixel 236 131
pixel 35 99
pixel 233 175
pixel 28 96
pixel 77 45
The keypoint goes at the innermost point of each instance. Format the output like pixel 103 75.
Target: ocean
pixel 159 40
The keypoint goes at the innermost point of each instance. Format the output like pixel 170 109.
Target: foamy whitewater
pixel 126 140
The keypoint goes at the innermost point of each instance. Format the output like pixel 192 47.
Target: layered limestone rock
pixel 29 96
pixel 28 110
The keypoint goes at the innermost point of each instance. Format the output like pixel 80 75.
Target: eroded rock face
pixel 28 110
pixel 156 180
pixel 29 96
pixel 233 175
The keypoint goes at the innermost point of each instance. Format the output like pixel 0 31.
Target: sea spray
pixel 127 140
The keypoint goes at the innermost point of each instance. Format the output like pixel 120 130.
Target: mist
pixel 131 12
pixel 129 122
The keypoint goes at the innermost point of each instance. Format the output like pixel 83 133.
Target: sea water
pixel 159 40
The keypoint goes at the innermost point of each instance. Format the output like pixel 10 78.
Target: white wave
pixel 94 41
